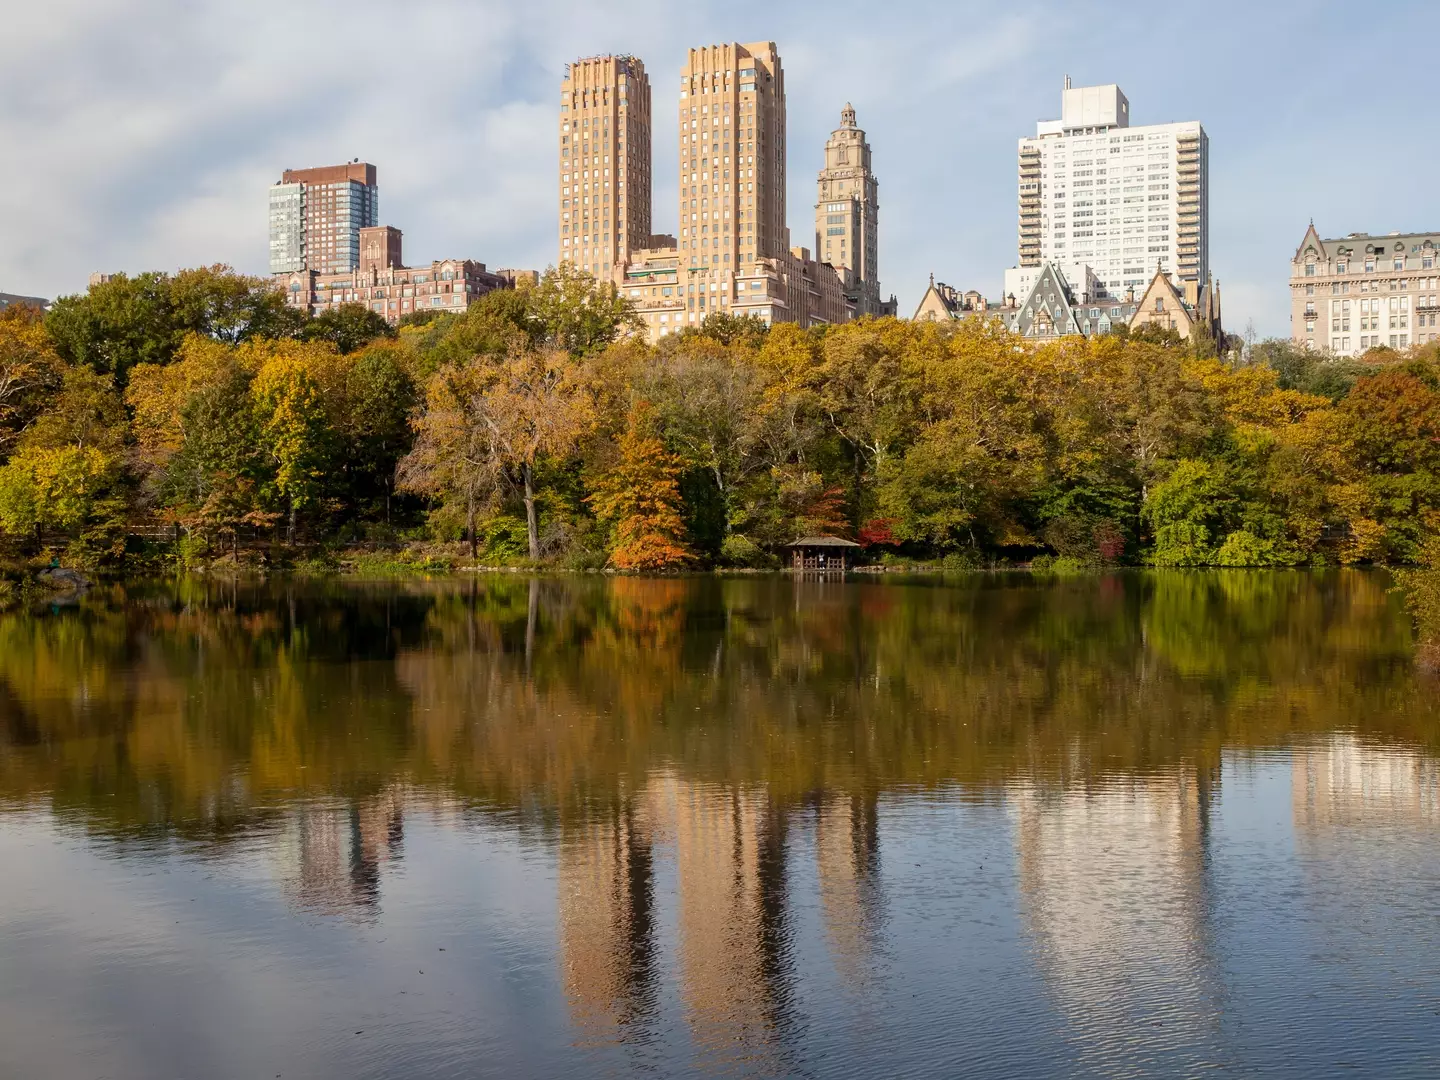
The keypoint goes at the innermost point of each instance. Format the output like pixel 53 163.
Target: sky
pixel 143 134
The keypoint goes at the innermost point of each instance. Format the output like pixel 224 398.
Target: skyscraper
pixel 1123 200
pixel 316 216
pixel 604 162
pixel 732 157
pixel 847 212
pixel 731 253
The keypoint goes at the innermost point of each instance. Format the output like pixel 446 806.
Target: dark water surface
pixel 1143 825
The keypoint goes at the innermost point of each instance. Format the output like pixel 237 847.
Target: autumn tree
pixel 640 499
pixel 452 457
pixel 30 369
pixel 488 422
pixel 67 468
pixel 294 429
pixel 707 399
pixel 197 440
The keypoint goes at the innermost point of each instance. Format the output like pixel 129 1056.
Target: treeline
pixel 199 411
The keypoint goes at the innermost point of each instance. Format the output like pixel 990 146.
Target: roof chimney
pixel 1067 82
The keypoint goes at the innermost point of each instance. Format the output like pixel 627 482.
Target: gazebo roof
pixel 823 541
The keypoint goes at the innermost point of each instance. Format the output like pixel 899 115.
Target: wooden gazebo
pixel 823 553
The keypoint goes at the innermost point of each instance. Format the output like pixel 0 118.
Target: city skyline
pixel 183 171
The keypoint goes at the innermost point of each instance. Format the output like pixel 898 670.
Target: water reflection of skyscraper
pixel 847 855
pixel 1113 879
pixel 330 856
pixel 1342 783
pixel 729 847
pixel 607 925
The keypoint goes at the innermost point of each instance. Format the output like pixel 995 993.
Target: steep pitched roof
pixel 1046 310
pixel 1312 239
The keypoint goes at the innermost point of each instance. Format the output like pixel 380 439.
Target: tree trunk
pixel 724 497
pixel 290 530
pixel 532 523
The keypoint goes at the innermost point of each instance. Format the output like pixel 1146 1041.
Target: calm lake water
pixel 1139 825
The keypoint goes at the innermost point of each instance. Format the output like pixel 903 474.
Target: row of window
pixel 1342 266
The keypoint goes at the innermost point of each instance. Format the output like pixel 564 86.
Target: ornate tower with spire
pixel 847 214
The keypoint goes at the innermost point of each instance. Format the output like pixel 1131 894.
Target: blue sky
pixel 144 135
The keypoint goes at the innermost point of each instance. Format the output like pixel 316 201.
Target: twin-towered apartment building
pixel 731 250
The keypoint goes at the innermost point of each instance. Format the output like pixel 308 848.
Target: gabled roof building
pixel 1052 308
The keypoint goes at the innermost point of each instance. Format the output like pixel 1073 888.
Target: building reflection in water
pixel 733 949
pixel 847 853
pixel 1342 783
pixel 1113 883
pixel 607 925
pixel 329 858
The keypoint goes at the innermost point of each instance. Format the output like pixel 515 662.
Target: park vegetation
pixel 196 418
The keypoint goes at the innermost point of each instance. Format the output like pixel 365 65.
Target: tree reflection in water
pixel 705 729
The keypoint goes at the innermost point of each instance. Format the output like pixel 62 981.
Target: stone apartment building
pixel 1361 292
pixel 605 179
pixel 847 215
pixel 382 282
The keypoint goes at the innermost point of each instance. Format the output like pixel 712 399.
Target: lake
pixel 1142 824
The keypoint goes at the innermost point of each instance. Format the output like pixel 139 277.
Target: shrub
pixel 741 552
pixel 961 560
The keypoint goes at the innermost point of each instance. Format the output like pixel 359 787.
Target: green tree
pixel 125 321
pixel 349 327
pixel 375 428
pixel 569 309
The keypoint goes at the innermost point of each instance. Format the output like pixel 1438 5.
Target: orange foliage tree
pixel 640 498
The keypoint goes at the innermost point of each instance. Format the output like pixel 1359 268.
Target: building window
pixel 1309 269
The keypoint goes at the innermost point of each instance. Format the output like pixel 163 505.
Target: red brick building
pixel 383 283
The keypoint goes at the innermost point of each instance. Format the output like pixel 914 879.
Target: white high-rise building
pixel 1123 200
